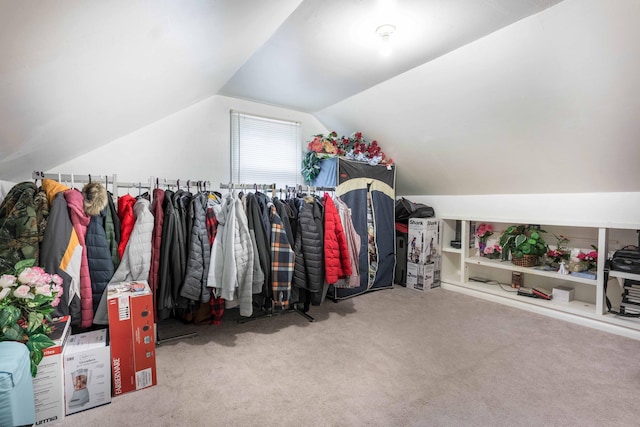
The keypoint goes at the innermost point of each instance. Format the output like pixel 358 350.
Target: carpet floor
pixel 394 357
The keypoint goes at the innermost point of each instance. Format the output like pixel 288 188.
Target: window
pixel 265 150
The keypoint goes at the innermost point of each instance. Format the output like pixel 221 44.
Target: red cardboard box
pixel 132 336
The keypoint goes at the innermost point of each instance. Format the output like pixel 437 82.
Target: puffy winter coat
pixel 127 219
pixel 137 255
pixel 98 251
pixel 308 247
pixel 199 254
pixel 80 222
pixel 336 251
pixel 61 254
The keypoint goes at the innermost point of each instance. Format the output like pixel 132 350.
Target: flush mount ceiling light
pixel 384 32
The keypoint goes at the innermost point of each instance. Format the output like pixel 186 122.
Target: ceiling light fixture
pixel 384 32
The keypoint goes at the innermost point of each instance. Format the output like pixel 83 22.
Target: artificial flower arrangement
pixel 492 251
pixel 27 297
pixel 561 253
pixel 589 260
pixel 483 232
pixel 354 147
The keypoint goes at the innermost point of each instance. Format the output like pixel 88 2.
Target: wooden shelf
pixel 506 265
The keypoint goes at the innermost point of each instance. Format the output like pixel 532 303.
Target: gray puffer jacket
pixel 199 254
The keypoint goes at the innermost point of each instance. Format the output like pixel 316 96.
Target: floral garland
pixel 354 147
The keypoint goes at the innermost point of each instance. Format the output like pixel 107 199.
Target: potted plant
pixel 554 257
pixel 524 243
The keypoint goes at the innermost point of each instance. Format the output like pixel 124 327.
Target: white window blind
pixel 265 150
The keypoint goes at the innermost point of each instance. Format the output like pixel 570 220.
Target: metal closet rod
pixel 180 182
pixel 298 187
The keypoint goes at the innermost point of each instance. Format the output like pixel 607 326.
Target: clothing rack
pixel 272 187
pixel 84 179
pixel 168 183
pixel 187 184
pixel 271 312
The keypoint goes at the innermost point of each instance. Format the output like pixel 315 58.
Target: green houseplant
pixel 524 243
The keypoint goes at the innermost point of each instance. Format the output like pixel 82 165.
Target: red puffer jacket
pixel 337 262
pixel 127 220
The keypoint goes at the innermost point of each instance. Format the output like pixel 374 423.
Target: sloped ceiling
pixel 75 75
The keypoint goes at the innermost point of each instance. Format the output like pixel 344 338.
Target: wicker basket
pixel 526 261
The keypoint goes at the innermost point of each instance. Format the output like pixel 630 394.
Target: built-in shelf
pixel 588 309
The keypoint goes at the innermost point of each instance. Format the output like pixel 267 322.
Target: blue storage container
pixel 17 406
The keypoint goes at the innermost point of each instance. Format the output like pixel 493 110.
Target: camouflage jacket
pixel 23 218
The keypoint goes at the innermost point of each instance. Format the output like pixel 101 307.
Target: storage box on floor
pixel 132 336
pixel 48 385
pixel 87 371
pixel 424 250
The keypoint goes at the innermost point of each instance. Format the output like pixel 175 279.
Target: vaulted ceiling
pixel 75 74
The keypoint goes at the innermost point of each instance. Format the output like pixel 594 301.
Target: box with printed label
pixel 132 336
pixel 421 277
pixel 48 384
pixel 87 371
pixel 425 253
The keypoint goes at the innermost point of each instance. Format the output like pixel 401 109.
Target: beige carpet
pixel 389 358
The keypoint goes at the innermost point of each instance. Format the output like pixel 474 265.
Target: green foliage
pixel 520 240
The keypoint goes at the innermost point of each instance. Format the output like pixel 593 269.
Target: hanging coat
pixel 23 215
pixel 61 253
pixel 156 241
pixel 199 255
pixel 127 219
pixel 80 222
pixel 337 262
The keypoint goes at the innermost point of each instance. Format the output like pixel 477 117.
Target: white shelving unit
pixel 588 308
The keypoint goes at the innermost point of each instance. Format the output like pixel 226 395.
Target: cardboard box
pixel 563 293
pixel 421 277
pixel 48 385
pixel 87 371
pixel 132 336
pixel 424 253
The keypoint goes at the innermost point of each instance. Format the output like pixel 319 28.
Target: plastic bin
pixel 17 406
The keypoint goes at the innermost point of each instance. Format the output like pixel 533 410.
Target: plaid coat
pixel 282 261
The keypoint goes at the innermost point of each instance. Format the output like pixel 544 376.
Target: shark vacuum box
pixel 132 336
pixel 87 371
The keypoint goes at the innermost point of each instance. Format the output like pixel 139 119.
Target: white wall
pixel 191 144
pixel 613 210
pixel 546 105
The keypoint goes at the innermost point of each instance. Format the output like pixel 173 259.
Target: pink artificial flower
pixel 7 280
pixel 57 280
pixel 23 291
pixel 28 275
pixel 55 301
pixel 488 250
pixel 44 290
pixel 4 292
